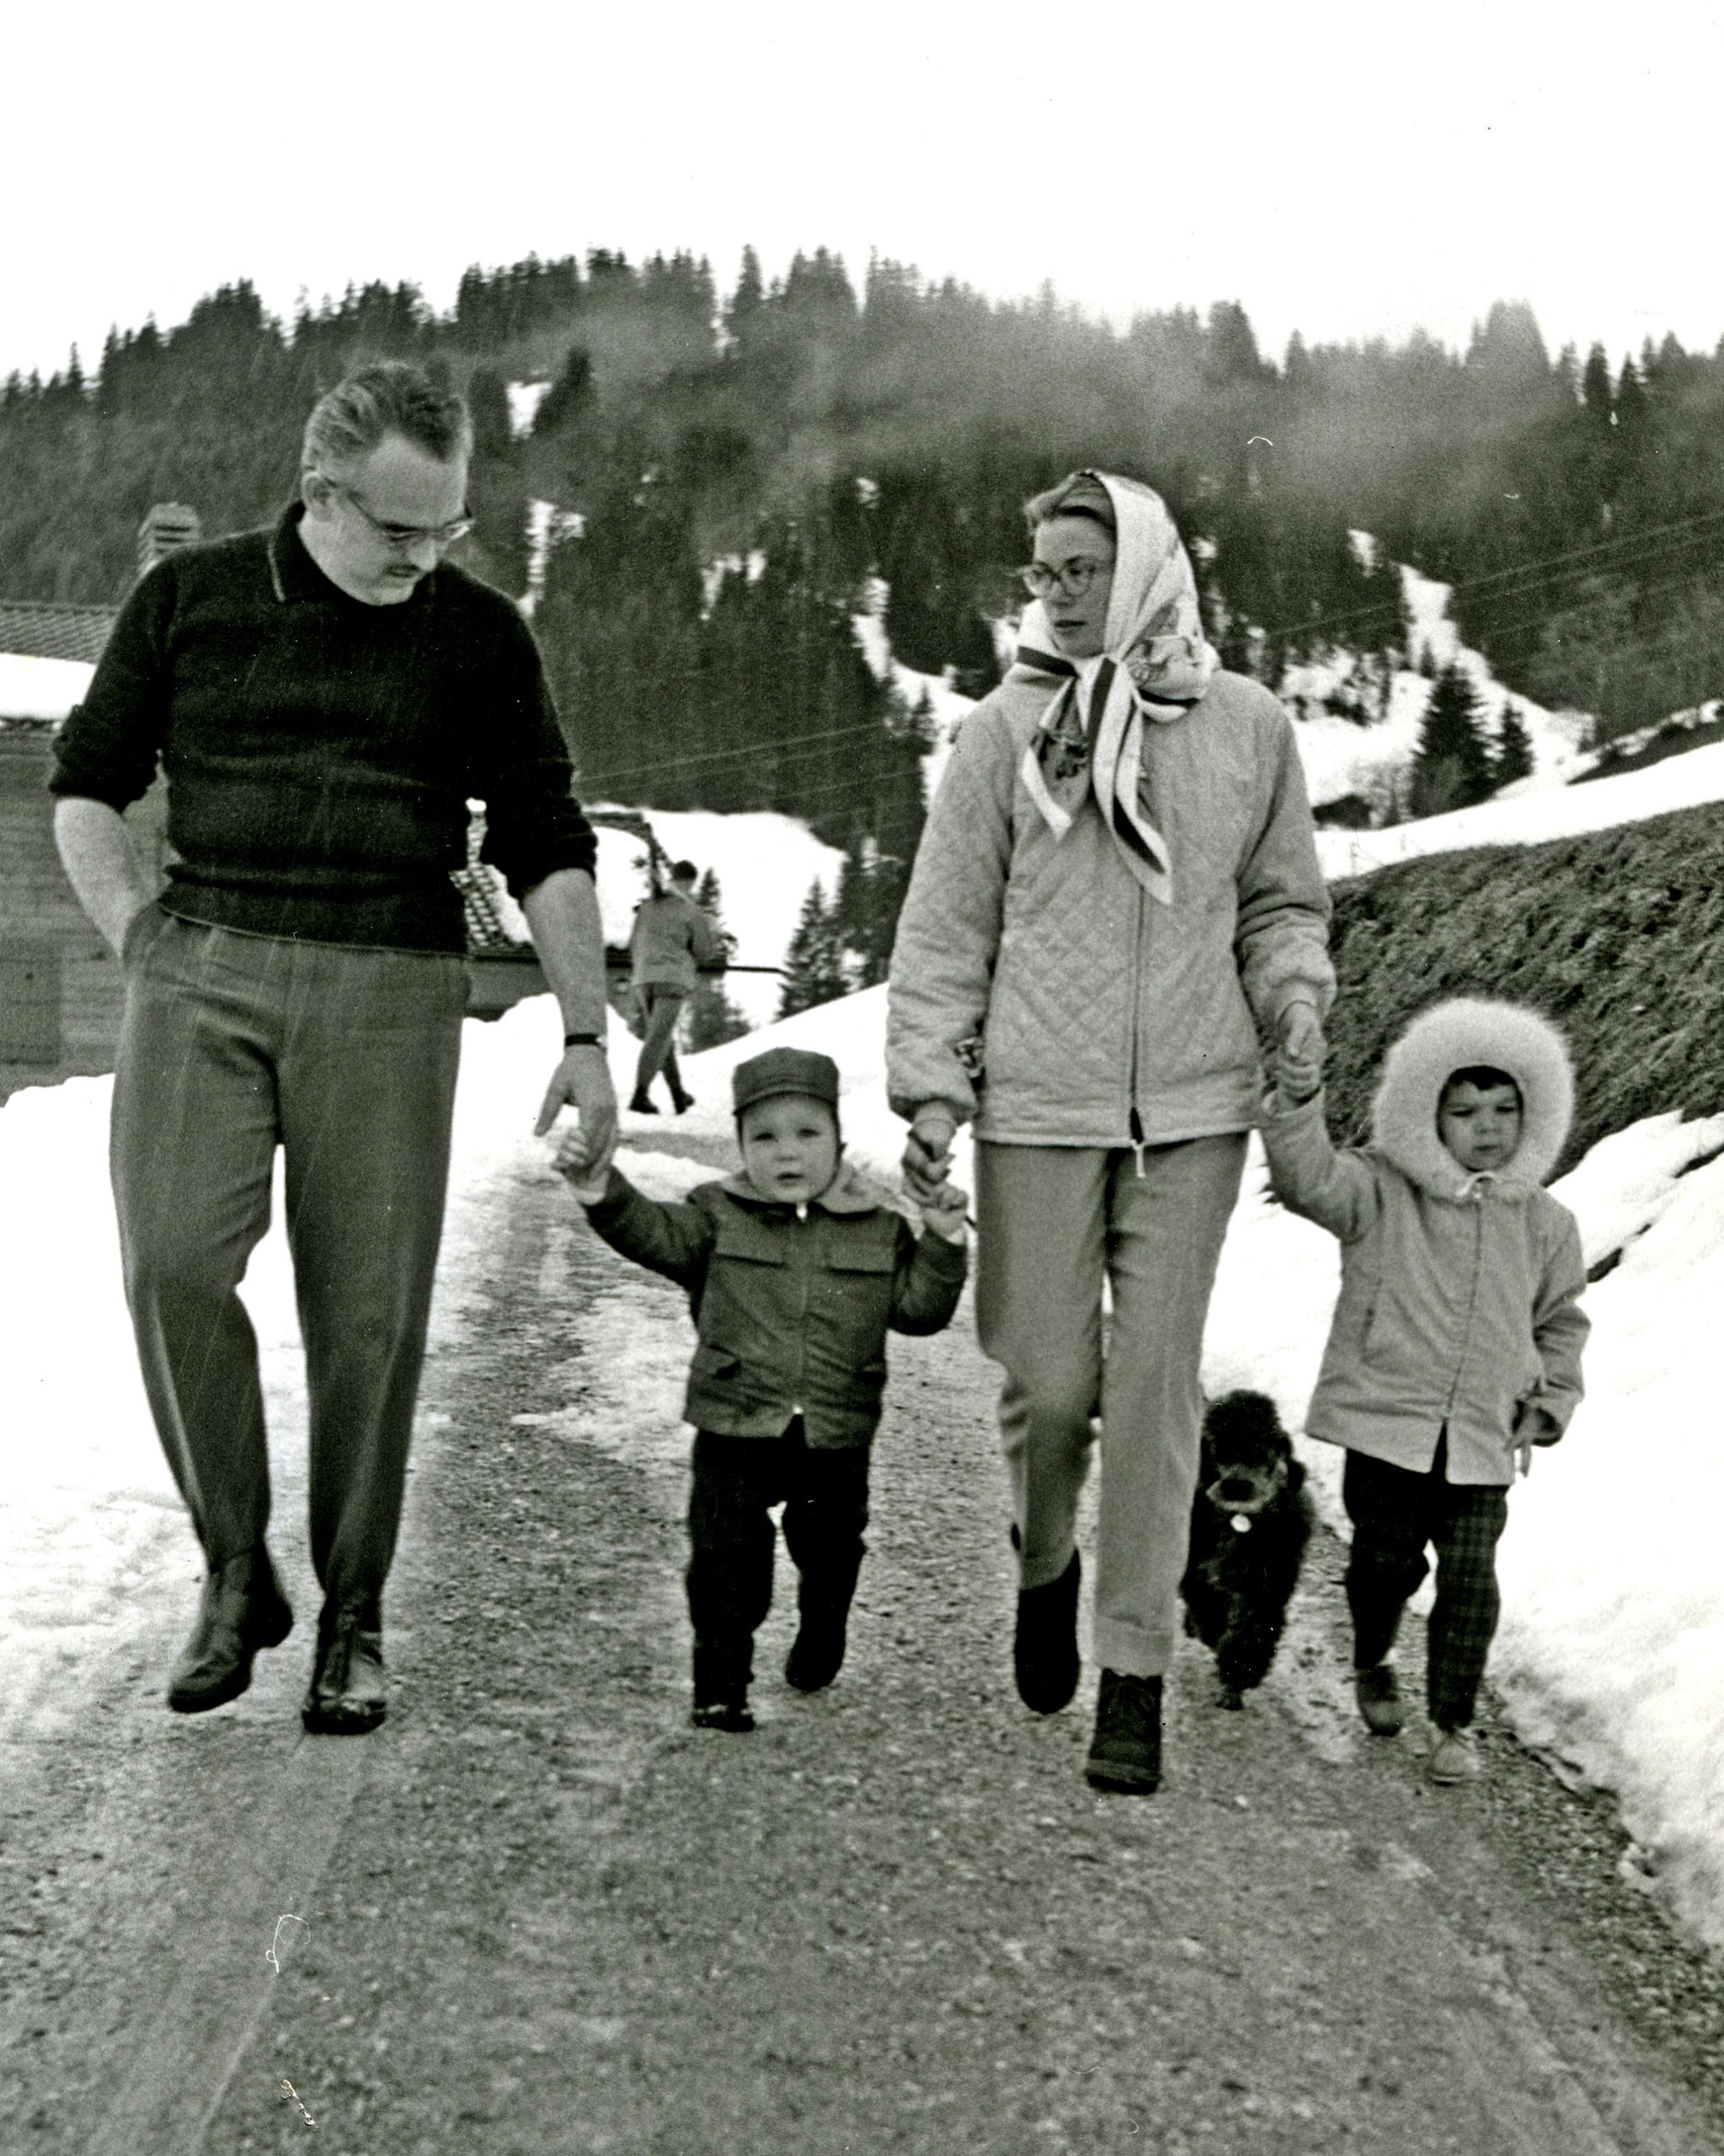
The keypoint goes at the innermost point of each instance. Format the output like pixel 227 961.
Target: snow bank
pixel 41 688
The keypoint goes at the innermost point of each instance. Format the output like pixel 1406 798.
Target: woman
pixel 1117 892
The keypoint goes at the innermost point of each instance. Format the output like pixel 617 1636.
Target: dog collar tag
pixel 1240 1522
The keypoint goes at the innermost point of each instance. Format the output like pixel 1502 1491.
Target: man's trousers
pixel 345 1058
pixel 1053 1222
pixel 1395 1513
pixel 660 1009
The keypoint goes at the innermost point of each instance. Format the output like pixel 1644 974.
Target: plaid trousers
pixel 1394 1513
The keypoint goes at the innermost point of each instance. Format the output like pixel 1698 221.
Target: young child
pixel 794 1272
pixel 1456 1340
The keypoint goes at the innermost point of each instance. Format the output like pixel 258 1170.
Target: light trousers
pixel 345 1058
pixel 661 1008
pixel 1052 1222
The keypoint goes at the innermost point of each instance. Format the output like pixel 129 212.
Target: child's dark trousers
pixel 1394 1513
pixel 824 1493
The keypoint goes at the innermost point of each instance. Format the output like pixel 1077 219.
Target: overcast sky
pixel 1346 170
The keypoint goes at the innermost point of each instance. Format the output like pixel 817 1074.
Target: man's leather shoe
pixel 242 1609
pixel 350 1693
pixel 1044 1647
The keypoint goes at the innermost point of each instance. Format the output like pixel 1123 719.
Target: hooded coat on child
pixel 1459 1302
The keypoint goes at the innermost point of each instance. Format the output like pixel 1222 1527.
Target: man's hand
pixel 927 1151
pixel 946 1210
pixel 582 1081
pixel 1299 1051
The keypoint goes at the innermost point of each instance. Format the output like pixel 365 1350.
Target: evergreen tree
pixel 814 965
pixel 1513 758
pixel 710 1017
pixel 1452 764
pixel 745 301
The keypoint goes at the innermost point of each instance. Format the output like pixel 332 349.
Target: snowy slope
pixel 1682 781
pixel 1341 758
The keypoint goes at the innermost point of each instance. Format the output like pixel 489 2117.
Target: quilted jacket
pixel 792 1308
pixel 1104 1018
pixel 1460 1294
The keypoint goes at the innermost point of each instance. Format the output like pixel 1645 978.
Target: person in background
pixel 795 1271
pixel 323 697
pixel 1455 1344
pixel 1116 894
pixel 671 941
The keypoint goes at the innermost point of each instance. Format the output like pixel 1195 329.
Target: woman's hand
pixel 927 1151
pixel 1299 1052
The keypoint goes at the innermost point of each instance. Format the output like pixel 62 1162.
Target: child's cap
pixel 784 1070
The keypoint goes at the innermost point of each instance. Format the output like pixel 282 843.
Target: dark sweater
pixel 320 753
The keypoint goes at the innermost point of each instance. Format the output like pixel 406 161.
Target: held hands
pixel 946 1210
pixel 1533 1425
pixel 582 1081
pixel 928 1154
pixel 1296 1060
pixel 572 1158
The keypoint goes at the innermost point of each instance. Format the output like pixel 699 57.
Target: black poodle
pixel 1250 1523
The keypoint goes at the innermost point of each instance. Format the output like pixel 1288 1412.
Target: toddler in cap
pixel 795 1272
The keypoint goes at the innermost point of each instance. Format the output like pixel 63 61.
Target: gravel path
pixel 538 1913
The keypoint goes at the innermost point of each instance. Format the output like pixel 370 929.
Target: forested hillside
pixel 736 467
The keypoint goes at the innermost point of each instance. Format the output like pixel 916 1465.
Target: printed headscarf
pixel 1154 665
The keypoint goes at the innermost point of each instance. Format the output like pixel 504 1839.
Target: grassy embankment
pixel 1618 937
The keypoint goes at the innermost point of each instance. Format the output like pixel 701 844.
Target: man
pixel 324 697
pixel 671 940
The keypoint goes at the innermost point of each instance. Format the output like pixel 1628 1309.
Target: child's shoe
pixel 640 1105
pixel 722 1670
pixel 1378 1692
pixel 730 1714
pixel 1044 1647
pixel 816 1654
pixel 1454 1757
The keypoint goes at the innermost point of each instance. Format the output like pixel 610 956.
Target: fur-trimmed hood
pixel 1448 1038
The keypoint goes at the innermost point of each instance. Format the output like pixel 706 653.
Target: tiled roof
pixel 48 628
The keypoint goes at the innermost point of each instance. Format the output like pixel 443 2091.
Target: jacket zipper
pixel 1135 1124
pixel 1473 1301
pixel 806 1217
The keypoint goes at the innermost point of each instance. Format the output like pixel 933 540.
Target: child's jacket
pixel 792 1311
pixel 1458 1294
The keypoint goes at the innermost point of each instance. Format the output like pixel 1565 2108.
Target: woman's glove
pixel 1296 1060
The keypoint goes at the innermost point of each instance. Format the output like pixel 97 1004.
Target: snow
pixel 524 399
pixel 41 688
